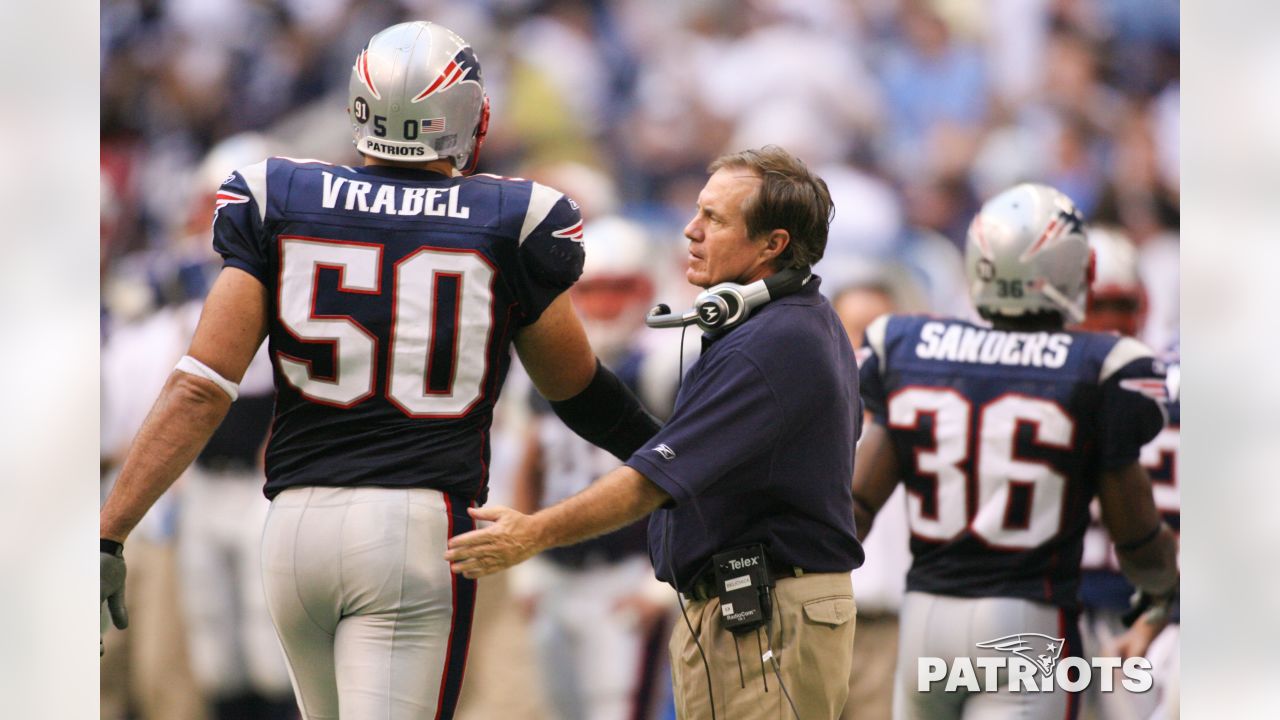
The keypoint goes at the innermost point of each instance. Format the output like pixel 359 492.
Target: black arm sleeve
pixel 607 414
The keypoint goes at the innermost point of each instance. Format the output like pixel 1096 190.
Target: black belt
pixel 704 585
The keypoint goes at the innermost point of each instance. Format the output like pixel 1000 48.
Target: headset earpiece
pixel 727 305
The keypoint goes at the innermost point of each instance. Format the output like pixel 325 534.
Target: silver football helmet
pixel 1026 253
pixel 1115 261
pixel 416 95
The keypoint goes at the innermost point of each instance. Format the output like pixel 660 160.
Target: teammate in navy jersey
pixel 1118 303
pixel 598 617
pixel 1002 435
pixel 391 294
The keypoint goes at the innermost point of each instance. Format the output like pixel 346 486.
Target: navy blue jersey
pixel 759 448
pixel 1101 584
pixel 1001 438
pixel 394 297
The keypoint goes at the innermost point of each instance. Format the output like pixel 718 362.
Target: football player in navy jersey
pixel 1002 435
pixel 598 616
pixel 391 294
pixel 1117 303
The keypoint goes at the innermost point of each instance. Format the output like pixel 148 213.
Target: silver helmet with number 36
pixel 416 95
pixel 1026 252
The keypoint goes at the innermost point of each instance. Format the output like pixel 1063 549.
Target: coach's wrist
pixel 539 533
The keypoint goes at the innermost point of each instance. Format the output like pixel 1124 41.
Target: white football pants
pixel 948 627
pixel 373 623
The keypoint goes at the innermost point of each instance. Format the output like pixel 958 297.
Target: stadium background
pixel 913 111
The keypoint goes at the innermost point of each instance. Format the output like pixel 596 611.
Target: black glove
pixel 111 585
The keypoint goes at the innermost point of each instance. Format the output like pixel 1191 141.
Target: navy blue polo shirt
pixel 760 445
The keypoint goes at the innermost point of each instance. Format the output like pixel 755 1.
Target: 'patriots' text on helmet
pixel 1026 253
pixel 416 95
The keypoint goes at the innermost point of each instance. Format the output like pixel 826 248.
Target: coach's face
pixel 719 248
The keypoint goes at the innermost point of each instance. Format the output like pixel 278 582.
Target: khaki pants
pixel 812 636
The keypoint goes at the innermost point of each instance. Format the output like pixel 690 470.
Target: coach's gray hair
pixel 790 198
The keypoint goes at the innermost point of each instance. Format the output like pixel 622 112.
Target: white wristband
pixel 192 366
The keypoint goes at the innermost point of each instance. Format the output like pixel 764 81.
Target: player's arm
pixel 585 394
pixel 875 475
pixel 1146 547
pixel 617 499
pixel 190 406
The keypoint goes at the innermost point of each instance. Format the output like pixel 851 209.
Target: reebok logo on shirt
pixel 666 452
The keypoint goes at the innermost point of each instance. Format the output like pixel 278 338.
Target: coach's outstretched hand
pixel 509 541
pixel 111 585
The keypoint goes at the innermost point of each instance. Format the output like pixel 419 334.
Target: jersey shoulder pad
pixel 550 237
pixel 1123 353
pixel 874 335
pixel 253 179
pixel 238 215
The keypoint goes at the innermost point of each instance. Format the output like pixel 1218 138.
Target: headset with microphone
pixel 727 305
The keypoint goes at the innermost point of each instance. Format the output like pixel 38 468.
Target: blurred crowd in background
pixel 914 111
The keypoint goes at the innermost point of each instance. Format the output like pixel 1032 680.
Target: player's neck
pixel 442 166
pixel 1029 323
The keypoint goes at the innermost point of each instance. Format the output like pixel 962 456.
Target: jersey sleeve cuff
pixel 658 476
pixel 240 264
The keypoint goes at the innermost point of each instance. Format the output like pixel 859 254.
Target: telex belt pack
pixel 705 587
pixel 742 579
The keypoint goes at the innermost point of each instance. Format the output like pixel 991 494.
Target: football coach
pixel 750 478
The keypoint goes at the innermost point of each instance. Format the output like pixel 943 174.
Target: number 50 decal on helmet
pixel 416 94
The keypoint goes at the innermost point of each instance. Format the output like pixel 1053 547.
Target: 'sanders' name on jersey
pixel 392 199
pixel 961 343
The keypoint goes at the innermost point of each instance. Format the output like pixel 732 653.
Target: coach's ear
pixel 774 244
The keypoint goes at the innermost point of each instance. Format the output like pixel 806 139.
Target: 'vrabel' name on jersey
pixel 960 343
pixel 392 199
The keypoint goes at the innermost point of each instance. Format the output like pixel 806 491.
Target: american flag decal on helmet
pixel 463 66
pixel 225 198
pixel 431 125
pixel 573 232
pixel 362 71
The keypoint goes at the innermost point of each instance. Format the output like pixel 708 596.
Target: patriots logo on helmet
pixel 225 198
pixel 463 67
pixel 1067 220
pixel 362 71
pixel 1025 645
